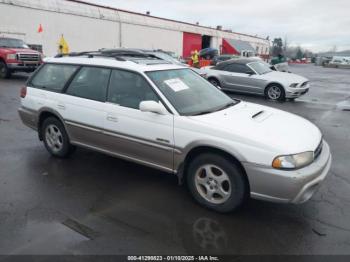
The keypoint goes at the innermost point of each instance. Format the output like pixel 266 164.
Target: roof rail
pixel 120 54
pixel 89 54
pixel 128 52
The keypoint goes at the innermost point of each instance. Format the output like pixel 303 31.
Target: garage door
pixel 191 42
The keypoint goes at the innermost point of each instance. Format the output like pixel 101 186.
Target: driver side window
pixel 129 89
pixel 237 68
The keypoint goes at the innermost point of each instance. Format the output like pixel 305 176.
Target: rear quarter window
pixel 53 77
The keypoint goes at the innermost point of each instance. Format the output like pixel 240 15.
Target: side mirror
pixel 250 73
pixel 154 107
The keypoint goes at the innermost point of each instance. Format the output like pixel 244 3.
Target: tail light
pixel 23 92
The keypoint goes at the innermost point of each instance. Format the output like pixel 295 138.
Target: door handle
pixel 112 118
pixel 61 106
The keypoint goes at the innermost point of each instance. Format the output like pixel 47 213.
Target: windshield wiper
pixel 232 103
pixel 204 112
pixel 226 106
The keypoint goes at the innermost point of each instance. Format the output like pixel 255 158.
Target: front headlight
pixel 294 85
pixel 11 57
pixel 293 161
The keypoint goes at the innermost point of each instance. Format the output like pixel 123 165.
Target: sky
pixel 317 25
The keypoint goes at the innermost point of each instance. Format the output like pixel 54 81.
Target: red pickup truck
pixel 16 56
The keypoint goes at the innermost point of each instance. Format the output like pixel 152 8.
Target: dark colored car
pixel 222 58
pixel 208 53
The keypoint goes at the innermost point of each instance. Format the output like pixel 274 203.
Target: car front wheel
pixel 275 92
pixel 4 71
pixel 216 183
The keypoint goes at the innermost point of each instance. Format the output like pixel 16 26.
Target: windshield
pixel 189 93
pixel 12 43
pixel 260 67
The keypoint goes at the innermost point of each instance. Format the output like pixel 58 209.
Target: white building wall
pixel 81 33
pixel 87 27
pixel 144 37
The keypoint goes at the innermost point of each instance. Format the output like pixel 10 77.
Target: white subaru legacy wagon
pixel 165 116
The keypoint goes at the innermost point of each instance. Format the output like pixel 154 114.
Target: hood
pixel 265 127
pixel 284 77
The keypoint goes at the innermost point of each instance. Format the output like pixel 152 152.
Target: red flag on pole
pixel 40 29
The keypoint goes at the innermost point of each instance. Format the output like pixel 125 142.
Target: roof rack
pixel 120 54
pixel 89 54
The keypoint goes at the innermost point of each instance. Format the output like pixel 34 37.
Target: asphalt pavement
pixel 95 204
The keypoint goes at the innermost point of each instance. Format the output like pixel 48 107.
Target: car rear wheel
pixel 275 92
pixel 216 183
pixel 215 82
pixel 55 138
pixel 4 71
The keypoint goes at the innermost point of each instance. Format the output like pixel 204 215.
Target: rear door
pixel 83 106
pixel 144 137
pixel 46 86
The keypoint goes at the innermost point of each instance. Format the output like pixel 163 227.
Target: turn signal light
pixel 23 92
pixel 277 163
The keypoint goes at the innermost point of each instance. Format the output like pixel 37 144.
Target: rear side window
pixel 53 77
pixel 90 83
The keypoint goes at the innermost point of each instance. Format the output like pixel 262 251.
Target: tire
pixel 215 82
pixel 55 138
pixel 275 92
pixel 216 183
pixel 4 71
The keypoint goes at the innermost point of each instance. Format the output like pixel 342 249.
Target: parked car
pixel 281 67
pixel 221 58
pixel 16 56
pixel 165 56
pixel 256 77
pixel 167 117
pixel 208 53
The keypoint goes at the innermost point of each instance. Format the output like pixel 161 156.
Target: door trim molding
pixel 136 160
pixel 154 143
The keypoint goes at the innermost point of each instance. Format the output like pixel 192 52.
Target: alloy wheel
pixel 213 184
pixel 54 138
pixel 274 92
pixel 215 83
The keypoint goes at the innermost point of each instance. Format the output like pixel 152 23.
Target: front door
pixel 240 78
pixel 144 137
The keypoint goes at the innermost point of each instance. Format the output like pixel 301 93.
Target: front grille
pixel 28 57
pixel 318 150
pixel 304 84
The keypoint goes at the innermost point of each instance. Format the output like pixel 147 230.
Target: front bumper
pixel 296 92
pixel 295 186
pixel 24 66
